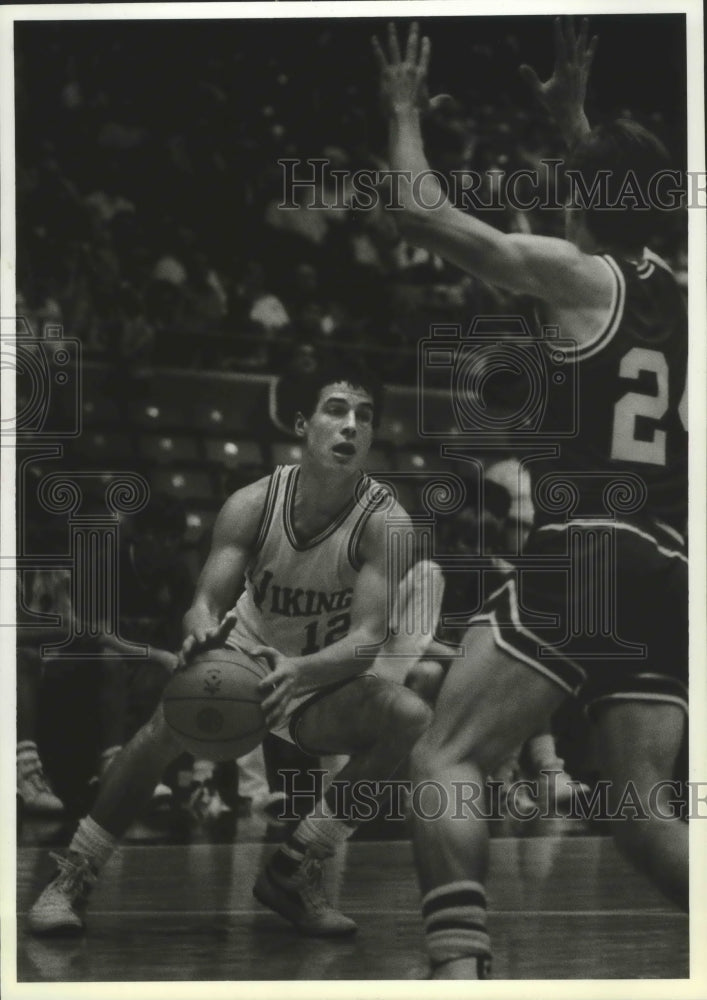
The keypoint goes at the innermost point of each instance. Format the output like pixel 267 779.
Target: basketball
pixel 213 707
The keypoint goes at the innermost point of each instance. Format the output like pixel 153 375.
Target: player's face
pixel 339 432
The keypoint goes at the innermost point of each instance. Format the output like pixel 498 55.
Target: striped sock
pixel 319 834
pixel 27 754
pixel 93 842
pixel 455 924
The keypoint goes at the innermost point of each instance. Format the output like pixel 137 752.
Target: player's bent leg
pixel 488 703
pixel 373 720
pixel 638 744
pixel 376 723
pixel 425 679
pixel 127 788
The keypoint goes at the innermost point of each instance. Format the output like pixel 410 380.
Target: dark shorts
pixel 600 609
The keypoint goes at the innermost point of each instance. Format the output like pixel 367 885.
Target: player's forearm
pixel 340 661
pixel 462 239
pixel 418 186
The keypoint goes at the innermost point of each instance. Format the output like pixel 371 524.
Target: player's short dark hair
pixel 632 156
pixel 304 390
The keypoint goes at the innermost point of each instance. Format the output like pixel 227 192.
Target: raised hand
pixel 563 95
pixel 403 80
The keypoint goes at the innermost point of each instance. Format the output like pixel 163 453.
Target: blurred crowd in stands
pixel 148 188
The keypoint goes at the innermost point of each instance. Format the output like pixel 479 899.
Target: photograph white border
pixel 696 986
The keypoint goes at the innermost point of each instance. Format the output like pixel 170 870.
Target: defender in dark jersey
pixel 602 612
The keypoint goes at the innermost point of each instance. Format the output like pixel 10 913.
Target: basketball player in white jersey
pixel 307 551
pixel 623 313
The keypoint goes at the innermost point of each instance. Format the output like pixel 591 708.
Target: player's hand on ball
pixel 279 687
pixel 403 80
pixel 564 93
pixel 205 635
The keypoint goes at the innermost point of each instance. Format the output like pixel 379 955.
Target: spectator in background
pixel 206 300
pixel 48 592
pixel 39 592
pixel 256 317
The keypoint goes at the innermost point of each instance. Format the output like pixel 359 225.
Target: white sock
pixel 321 832
pixel 93 842
pixel 318 835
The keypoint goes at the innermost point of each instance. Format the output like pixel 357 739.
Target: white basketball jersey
pixel 297 595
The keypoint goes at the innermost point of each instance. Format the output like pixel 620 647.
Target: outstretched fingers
pixel 379 54
pixel 417 53
pixel 393 45
pixel 560 44
pixel 531 78
pixel 412 43
pixel 589 51
pixel 425 52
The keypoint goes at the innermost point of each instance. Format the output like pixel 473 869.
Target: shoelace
pixel 311 888
pixel 75 877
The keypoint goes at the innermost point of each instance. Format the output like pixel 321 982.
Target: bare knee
pixel 425 679
pixel 441 751
pixel 407 716
pixel 432 758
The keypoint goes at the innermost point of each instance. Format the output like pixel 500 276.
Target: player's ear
pixel 300 424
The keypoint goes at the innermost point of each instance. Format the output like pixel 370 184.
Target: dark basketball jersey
pixel 629 455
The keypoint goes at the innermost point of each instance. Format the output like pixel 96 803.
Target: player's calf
pixel 404 717
pixel 128 786
pixel 425 679
pixel 377 723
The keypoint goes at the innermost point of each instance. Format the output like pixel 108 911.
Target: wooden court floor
pixel 559 908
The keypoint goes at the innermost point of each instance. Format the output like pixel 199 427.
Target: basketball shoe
pixel 301 900
pixel 35 791
pixel 58 909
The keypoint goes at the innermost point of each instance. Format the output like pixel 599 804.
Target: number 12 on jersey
pixel 336 628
